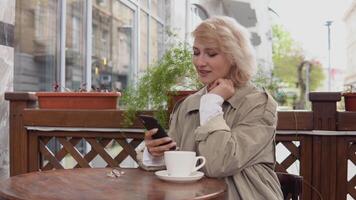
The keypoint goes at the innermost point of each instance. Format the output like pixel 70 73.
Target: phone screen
pixel 150 123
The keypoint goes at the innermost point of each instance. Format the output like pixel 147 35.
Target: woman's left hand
pixel 222 87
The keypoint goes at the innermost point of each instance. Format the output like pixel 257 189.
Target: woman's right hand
pixel 222 87
pixel 157 147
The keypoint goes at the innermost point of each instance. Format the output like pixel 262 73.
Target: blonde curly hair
pixel 233 40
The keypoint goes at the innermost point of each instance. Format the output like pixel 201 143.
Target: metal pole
pixel 62 53
pixel 88 43
pixel 328 24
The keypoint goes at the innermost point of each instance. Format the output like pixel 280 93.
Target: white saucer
pixel 163 174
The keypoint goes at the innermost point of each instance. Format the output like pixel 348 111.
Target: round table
pixel 93 183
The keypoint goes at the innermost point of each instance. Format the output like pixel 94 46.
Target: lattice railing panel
pixel 290 155
pixel 99 147
pixel 351 184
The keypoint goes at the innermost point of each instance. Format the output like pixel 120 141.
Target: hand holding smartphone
pixel 150 123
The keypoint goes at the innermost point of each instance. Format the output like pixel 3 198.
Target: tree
pixel 287 56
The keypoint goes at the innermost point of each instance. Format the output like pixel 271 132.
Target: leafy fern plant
pixel 174 71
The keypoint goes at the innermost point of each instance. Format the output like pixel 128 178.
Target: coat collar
pixel 194 100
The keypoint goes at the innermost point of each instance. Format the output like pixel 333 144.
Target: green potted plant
pixel 174 72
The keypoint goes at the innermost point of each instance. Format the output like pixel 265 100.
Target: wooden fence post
pixel 17 133
pixel 324 156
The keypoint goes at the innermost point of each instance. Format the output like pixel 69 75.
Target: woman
pixel 229 121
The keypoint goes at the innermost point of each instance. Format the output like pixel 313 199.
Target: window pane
pixel 143 56
pixel 157 8
pixel 35 53
pixel 198 14
pixel 144 3
pixel 94 35
pixel 74 45
pixel 101 4
pixel 123 46
pixel 112 55
pixel 156 44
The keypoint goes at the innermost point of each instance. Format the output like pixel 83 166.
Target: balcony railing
pixel 322 140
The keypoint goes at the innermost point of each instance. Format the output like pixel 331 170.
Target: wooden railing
pixel 322 140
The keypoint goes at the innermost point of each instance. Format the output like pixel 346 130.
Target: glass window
pixel 94 39
pixel 104 4
pixel 36 53
pixel 117 33
pixel 157 8
pixel 156 44
pixel 112 58
pixel 144 3
pixel 105 44
pixel 198 15
pixel 74 45
pixel 143 55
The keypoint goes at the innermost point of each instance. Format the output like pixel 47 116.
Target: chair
pixel 291 185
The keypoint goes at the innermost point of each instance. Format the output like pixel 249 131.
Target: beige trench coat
pixel 239 145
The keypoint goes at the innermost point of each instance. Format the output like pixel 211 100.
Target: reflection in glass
pixel 103 4
pixel 143 55
pixel 157 8
pixel 123 43
pixel 198 14
pixel 74 45
pixel 144 3
pixel 112 53
pixel 156 44
pixel 115 39
pixel 35 53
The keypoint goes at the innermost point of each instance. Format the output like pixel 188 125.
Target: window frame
pixel 132 4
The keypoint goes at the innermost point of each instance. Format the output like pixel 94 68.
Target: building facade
pixel 104 44
pixel 253 14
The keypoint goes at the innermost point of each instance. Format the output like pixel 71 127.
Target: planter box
pixel 350 101
pixel 175 96
pixel 78 100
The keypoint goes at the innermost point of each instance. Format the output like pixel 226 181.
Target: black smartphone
pixel 150 123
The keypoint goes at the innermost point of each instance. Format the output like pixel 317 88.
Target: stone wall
pixel 7 21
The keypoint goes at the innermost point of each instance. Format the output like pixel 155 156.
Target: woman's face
pixel 209 63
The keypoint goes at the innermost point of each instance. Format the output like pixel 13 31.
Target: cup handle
pixel 201 165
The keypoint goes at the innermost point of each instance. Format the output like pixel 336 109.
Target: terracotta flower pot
pixel 175 96
pixel 350 101
pixel 78 100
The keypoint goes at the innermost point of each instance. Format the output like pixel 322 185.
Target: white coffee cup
pixel 182 163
